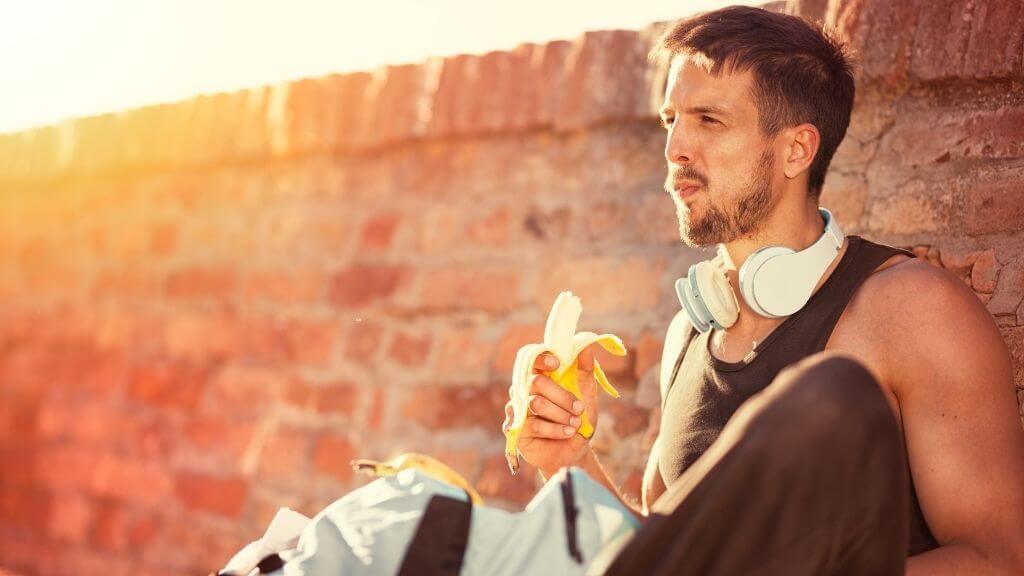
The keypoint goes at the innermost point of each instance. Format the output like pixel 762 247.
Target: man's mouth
pixel 684 191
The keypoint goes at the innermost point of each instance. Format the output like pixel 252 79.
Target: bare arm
pixel 952 374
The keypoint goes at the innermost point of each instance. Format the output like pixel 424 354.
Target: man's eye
pixel 709 120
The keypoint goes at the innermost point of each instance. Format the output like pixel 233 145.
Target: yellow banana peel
pixel 562 340
pixel 429 465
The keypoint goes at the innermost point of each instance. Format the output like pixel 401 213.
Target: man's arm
pixel 953 377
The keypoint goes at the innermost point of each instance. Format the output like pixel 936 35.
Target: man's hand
pixel 550 438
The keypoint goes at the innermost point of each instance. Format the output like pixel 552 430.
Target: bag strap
pixel 439 545
pixel 570 510
pixel 679 362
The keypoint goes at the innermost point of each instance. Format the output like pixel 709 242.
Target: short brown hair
pixel 803 72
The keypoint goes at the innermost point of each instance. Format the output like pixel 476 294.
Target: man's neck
pixel 795 226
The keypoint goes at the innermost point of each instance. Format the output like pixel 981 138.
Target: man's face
pixel 714 141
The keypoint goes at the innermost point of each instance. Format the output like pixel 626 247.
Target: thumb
pixel 585 362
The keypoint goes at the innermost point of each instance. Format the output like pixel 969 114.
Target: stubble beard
pixel 719 225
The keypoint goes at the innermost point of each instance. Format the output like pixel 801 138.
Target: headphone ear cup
pixel 716 294
pixel 749 285
pixel 689 304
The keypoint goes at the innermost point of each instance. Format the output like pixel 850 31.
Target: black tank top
pixel 704 391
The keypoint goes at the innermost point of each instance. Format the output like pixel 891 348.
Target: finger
pixel 545 362
pixel 546 409
pixel 546 387
pixel 585 361
pixel 540 428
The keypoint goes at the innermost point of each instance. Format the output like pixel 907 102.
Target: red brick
pixel 29 509
pixel 438 230
pixel 219 436
pixel 93 423
pixel 994 134
pixel 245 389
pixel 603 218
pixel 959 261
pixel 606 79
pixel 647 352
pixel 363 284
pixel 1009 290
pixel 311 342
pixel 336 398
pixel 65 468
pixel 333 456
pixel 201 283
pixel 124 283
pixel 169 384
pixel 490 230
pixel 463 352
pixel 378 407
pixel 163 239
pixel 486 289
pixel 129 480
pixel 940 41
pixel 629 418
pixel 362 341
pixel 456 407
pixel 262 339
pixel 378 231
pixel 410 350
pixel 911 209
pixel 515 337
pixel 285 454
pixel 496 482
pixel 71 518
pixel 110 533
pixel 985 272
pixel 995 207
pixel 198 337
pixel 287 286
pixel 591 279
pixel 224 496
pixel 997 38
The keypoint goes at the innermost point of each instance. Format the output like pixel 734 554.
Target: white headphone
pixel 775 281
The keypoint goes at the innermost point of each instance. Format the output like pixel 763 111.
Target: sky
pixel 63 59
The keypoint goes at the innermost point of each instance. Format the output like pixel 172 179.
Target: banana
pixel 560 339
pixel 431 466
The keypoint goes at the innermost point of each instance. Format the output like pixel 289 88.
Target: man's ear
pixel 804 141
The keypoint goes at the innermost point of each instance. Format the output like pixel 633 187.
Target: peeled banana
pixel 560 339
pixel 431 466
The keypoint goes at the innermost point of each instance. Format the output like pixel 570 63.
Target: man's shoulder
pixel 904 287
pixel 911 308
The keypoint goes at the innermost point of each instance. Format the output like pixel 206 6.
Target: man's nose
pixel 678 146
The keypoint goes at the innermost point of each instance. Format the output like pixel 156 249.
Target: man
pixel 786 442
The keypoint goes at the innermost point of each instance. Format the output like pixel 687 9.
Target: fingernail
pixel 574 422
pixel 568 430
pixel 551 362
pixel 577 407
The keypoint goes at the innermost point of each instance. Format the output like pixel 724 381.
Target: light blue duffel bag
pixel 412 523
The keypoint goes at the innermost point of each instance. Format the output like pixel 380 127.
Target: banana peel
pixel 562 340
pixel 427 464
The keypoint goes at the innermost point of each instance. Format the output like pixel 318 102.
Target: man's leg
pixel 808 477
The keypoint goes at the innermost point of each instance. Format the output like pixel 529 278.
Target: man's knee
pixel 825 399
pixel 833 384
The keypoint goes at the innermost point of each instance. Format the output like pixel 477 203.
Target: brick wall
pixel 207 308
